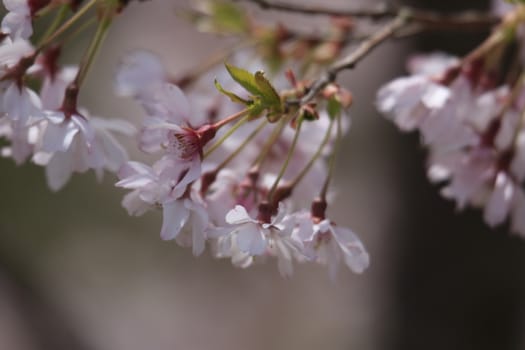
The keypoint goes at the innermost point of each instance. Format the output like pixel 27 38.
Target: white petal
pixel 135 181
pixel 174 217
pixel 133 168
pixel 354 253
pixel 138 73
pixel 281 213
pixel 11 53
pixel 53 89
pixel 250 239
pixel 435 96
pixel 58 137
pixel 16 5
pixel 305 229
pixel 518 161
pixel 284 260
pixel 431 64
pixel 172 104
pixel 199 228
pixel 500 200
pixel 238 215
pixel 85 128
pixel 507 130
pixel 59 170
pixel 518 213
pixel 115 125
pixel 115 155
pixel 134 204
pixel 357 259
pixel 55 117
pixel 17 25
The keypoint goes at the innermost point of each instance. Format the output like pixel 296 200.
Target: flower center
pixel 185 145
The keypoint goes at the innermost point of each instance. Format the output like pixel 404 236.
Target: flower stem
pixel 95 45
pixel 67 24
pixel 211 61
pixel 78 30
pixel 512 99
pixel 271 141
pixel 226 135
pixel 59 17
pixel 287 161
pixel 316 156
pixel 331 162
pixel 231 118
pixel 242 145
pixel 353 58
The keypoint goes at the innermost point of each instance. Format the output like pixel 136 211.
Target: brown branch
pixel 421 20
pixel 349 62
pixel 428 18
pixel 377 13
pixel 462 20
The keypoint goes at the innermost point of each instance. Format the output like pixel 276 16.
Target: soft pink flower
pixel 328 244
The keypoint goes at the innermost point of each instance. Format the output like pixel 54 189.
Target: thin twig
pixel 429 18
pixel 375 13
pixel 353 58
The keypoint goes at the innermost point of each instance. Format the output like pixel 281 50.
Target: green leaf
pixel 244 78
pixel 265 97
pixel 267 91
pixel 333 108
pixel 231 95
pixel 229 18
pixel 256 109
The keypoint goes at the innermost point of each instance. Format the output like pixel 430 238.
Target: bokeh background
pixel 76 272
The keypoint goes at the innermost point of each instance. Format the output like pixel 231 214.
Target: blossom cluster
pixel 245 154
pixel 245 195
pixel 470 114
pixel 44 124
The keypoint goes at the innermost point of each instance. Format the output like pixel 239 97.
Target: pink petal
pixel 59 170
pixel 193 173
pixel 199 226
pixel 133 168
pixel 518 213
pixel 85 128
pixel 174 217
pixel 500 200
pixel 138 73
pixel 238 215
pixel 250 239
pixel 58 137
pixel 115 155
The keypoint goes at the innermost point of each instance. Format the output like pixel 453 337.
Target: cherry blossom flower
pixel 21 104
pixel 17 22
pixel 18 102
pixel 12 51
pixel 165 181
pixel 225 246
pixel 140 72
pixel 22 139
pixel 74 143
pixel 188 210
pixel 329 244
pixel 166 185
pixel 54 87
pixel 473 135
pixel 408 101
pixel 252 235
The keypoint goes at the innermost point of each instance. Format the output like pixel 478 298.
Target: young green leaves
pixel 221 17
pixel 263 96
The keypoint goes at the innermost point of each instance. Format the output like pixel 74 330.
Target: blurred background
pixel 76 272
